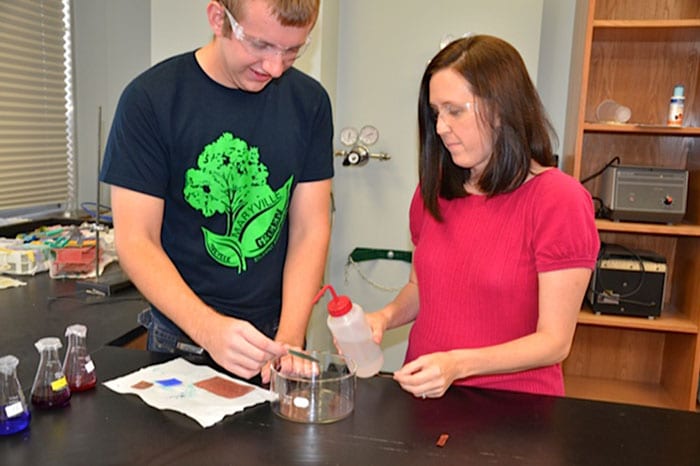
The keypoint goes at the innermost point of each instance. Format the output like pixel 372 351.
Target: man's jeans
pixel 165 337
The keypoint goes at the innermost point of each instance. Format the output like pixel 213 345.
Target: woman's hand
pixel 428 376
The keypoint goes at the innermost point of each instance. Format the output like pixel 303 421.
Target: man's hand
pixel 237 346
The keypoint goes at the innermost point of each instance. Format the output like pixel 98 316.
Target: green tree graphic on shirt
pixel 230 180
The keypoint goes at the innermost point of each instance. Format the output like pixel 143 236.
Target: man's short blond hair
pixel 297 13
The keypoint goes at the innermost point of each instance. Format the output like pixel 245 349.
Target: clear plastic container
pixel 612 112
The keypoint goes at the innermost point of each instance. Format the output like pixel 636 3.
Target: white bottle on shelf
pixel 347 323
pixel 676 107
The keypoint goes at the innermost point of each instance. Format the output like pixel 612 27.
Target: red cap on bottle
pixel 338 306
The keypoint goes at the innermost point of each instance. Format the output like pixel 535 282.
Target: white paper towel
pixel 173 388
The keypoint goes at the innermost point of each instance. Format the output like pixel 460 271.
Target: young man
pixel 220 166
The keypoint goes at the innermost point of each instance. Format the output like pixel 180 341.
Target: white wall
pixel 177 26
pixel 110 47
pixel 555 62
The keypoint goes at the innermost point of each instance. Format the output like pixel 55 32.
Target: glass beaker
pixel 77 364
pixel 14 412
pixel 321 396
pixel 50 388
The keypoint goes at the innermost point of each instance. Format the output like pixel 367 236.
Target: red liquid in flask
pixel 79 378
pixel 77 365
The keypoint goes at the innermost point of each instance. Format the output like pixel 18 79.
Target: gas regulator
pixel 358 142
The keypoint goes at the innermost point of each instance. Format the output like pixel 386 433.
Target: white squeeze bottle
pixel 676 107
pixel 347 323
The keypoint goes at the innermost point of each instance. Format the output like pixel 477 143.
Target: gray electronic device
pixel 645 194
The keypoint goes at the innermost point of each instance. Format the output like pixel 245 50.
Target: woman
pixel 504 243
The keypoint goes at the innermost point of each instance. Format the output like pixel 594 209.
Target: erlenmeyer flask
pixel 14 412
pixel 50 388
pixel 77 364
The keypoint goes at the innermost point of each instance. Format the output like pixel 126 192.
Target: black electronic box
pixel 628 282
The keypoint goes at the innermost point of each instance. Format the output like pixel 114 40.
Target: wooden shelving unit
pixel 635 52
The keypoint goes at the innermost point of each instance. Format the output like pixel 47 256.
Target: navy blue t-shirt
pixel 226 163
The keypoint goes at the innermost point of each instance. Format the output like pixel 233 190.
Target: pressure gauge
pixel 348 136
pixel 369 135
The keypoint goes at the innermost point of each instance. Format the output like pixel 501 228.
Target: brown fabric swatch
pixel 442 440
pixel 223 387
pixel 142 385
